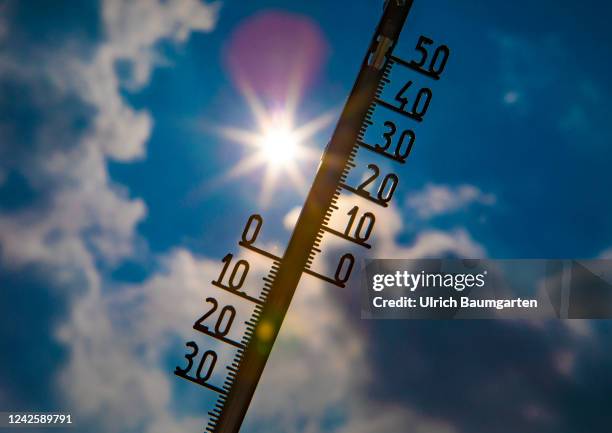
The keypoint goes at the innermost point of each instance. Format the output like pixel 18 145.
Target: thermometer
pixel 374 102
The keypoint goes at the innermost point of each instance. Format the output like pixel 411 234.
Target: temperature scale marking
pixel 269 308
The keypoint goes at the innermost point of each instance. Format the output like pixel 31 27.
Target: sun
pixel 277 147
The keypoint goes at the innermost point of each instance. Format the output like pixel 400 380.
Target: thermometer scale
pixel 269 305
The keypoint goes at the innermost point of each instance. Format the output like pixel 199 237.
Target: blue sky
pixel 112 218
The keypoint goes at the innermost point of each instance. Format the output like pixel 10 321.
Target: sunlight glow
pixel 278 147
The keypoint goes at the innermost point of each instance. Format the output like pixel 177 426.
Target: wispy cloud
pixel 436 200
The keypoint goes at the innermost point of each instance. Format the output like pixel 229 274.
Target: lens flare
pixel 278 147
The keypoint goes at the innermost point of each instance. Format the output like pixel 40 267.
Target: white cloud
pixel 436 200
pixel 291 218
pixel 115 338
pixel 307 372
pixel 116 373
pixel 390 224
pixel 134 28
pixel 81 196
pixel 432 243
pixel 84 218
pixel 319 362
pixel 426 244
